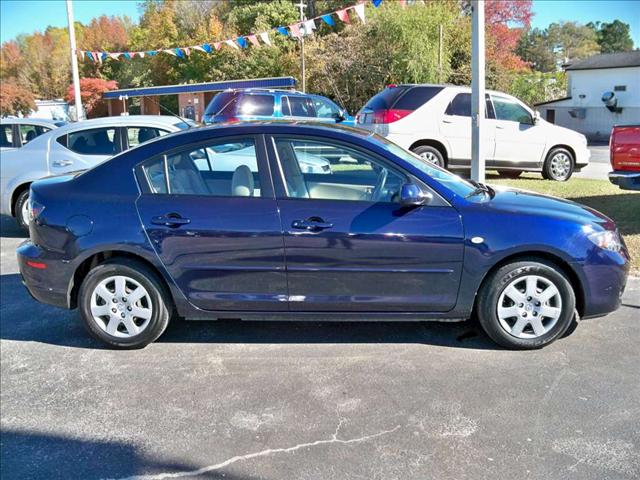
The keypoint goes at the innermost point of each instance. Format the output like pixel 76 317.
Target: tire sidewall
pixel 547 173
pixel 20 201
pixel 160 312
pixel 488 303
pixel 428 148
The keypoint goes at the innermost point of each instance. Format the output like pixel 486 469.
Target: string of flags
pixel 296 30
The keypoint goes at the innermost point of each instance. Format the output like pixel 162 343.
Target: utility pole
pixel 302 6
pixel 477 91
pixel 74 62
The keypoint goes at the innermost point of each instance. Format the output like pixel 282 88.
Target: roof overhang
pixel 276 82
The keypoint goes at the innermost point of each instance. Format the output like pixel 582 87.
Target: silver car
pixel 17 132
pixel 75 146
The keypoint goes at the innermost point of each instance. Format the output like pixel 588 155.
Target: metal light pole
pixel 74 62
pixel 477 91
pixel 302 6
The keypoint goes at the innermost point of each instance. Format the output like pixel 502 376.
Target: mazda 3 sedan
pixel 170 229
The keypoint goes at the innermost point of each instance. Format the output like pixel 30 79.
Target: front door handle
pixel 170 220
pixel 62 163
pixel 444 120
pixel 313 224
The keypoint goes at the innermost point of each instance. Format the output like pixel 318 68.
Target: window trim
pixel 264 171
pixel 280 184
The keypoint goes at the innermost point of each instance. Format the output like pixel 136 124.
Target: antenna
pixel 157 102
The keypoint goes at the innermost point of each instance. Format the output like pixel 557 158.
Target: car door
pixel 518 141
pixel 210 214
pixel 83 149
pixel 297 107
pixel 349 244
pixel 326 110
pixel 455 126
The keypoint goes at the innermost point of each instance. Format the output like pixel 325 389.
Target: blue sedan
pixel 184 225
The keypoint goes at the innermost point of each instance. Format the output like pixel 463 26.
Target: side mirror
pixel 340 116
pixel 411 195
pixel 536 117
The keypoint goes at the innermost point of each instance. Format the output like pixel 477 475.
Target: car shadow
pixel 36 455
pixel 9 228
pixel 24 319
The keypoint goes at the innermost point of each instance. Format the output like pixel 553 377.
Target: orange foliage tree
pixel 91 90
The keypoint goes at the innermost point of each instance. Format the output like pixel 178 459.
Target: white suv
pixel 434 121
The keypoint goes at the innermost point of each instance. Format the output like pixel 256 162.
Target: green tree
pixel 535 48
pixel 612 37
pixel 572 41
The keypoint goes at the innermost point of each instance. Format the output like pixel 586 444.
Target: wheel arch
pixel 556 260
pixel 570 149
pixel 16 193
pixel 97 258
pixel 432 143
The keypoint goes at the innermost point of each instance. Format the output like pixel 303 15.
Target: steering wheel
pixel 379 188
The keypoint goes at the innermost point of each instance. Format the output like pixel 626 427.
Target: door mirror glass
pixel 536 117
pixel 411 195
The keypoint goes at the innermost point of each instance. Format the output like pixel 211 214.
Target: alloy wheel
pixel 121 306
pixel 430 157
pixel 529 307
pixel 25 214
pixel 560 166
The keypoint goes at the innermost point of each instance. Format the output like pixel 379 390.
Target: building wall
pixel 192 102
pixel 591 117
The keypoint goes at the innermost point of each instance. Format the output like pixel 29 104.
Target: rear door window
pixel 138 135
pixel 29 132
pixel 416 97
pixel 6 136
pixel 461 106
pixel 251 105
pixel 97 141
pixel 298 107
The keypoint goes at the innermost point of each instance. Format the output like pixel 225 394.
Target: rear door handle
pixel 170 220
pixel 313 224
pixel 62 163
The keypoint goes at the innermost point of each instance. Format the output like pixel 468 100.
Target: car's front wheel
pixel 124 304
pixel 526 304
pixel 430 154
pixel 559 165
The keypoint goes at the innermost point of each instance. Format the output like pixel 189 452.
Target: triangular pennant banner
pixel 328 20
pixel 205 47
pixel 217 45
pixel 403 3
pixel 187 50
pixel 242 42
pixel 295 30
pixel 152 53
pixel 170 52
pixel 309 26
pixel 115 56
pixel 359 9
pixel 343 15
pixel 376 3
pixel 231 43
pixel 141 54
pixel 254 40
pixel 264 36
pixel 178 53
pixel 283 31
pixel 127 55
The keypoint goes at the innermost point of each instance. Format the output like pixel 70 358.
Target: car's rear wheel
pixel 124 304
pixel 21 209
pixel 510 173
pixel 559 165
pixel 526 304
pixel 430 154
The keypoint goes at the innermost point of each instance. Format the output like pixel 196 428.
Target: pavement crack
pixel 263 453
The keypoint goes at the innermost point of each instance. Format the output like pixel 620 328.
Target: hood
pixel 535 204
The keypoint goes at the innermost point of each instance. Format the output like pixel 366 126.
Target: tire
pixel 430 154
pixel 496 306
pixel 559 165
pixel 20 207
pixel 510 173
pixel 154 308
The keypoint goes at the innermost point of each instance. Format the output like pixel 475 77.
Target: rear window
pixel 386 98
pixel 416 97
pixel 255 105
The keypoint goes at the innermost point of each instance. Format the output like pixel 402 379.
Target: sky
pixel 26 16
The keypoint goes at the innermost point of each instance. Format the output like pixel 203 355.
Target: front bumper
pixel 625 180
pixel 583 155
pixel 47 277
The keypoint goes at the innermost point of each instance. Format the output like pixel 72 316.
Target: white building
pixel 584 109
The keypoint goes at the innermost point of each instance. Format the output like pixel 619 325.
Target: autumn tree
pixel 15 99
pixel 91 90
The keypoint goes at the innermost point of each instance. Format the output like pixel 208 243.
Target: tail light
pixel 35 209
pixel 389 116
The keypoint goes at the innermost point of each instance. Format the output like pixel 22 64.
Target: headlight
pixel 607 240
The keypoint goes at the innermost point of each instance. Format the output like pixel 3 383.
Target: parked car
pixel 624 151
pixel 17 132
pixel 75 146
pixel 434 121
pixel 260 104
pixel 387 236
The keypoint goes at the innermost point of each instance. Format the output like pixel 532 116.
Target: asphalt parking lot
pixel 313 400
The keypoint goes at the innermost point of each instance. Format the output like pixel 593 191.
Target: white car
pixel 17 132
pixel 75 146
pixel 434 121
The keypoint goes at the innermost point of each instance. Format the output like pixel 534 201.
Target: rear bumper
pixel 46 277
pixel 625 179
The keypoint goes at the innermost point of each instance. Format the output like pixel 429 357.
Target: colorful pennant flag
pixel 242 42
pixel 295 30
pixel 254 40
pixel 309 26
pixel 376 3
pixel 283 31
pixel 328 20
pixel 359 9
pixel 344 15
pixel 265 38
pixel 232 44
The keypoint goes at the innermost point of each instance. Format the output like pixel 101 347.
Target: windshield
pixel 453 182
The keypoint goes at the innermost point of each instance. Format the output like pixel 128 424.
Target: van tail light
pixel 35 209
pixel 389 116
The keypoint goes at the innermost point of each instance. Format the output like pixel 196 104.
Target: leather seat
pixel 242 184
pixel 185 178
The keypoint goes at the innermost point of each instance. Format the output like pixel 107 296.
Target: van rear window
pixel 386 98
pixel 416 97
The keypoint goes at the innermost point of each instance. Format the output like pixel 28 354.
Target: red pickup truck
pixel 624 151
